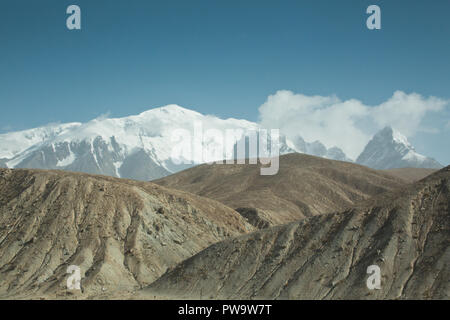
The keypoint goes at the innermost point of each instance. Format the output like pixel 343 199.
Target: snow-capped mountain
pixel 136 147
pixel 317 148
pixel 142 146
pixel 11 144
pixel 390 149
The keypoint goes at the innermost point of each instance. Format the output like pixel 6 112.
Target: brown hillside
pixel 123 234
pixel 405 232
pixel 304 186
pixel 410 174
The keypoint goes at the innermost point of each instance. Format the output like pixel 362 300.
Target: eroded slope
pixel 405 232
pixel 304 186
pixel 123 234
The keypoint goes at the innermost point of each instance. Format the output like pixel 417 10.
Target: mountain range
pixel 139 240
pixel 403 232
pixel 304 186
pixel 123 234
pixel 390 149
pixel 140 147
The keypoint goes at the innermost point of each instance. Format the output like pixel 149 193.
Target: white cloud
pixel 347 124
pixel 406 111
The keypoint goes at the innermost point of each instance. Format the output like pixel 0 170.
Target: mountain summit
pixel 390 149
pixel 136 147
pixel 140 146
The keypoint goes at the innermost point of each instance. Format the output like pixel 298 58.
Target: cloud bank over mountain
pixel 147 146
pixel 347 124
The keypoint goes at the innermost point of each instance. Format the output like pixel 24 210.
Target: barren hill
pixel 410 174
pixel 123 234
pixel 404 232
pixel 304 186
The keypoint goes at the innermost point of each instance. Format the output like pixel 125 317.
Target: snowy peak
pixel 14 143
pixel 140 146
pixel 137 147
pixel 388 134
pixel 317 148
pixel 390 149
pixel 165 111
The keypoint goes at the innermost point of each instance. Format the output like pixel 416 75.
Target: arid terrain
pixel 410 174
pixel 405 232
pixel 145 240
pixel 123 234
pixel 304 186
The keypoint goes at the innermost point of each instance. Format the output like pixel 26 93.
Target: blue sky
pixel 217 57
